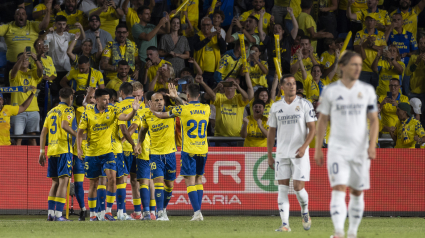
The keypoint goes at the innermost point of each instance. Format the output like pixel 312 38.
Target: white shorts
pixel 349 170
pixel 295 168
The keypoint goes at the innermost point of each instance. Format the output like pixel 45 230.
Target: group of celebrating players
pixel 137 138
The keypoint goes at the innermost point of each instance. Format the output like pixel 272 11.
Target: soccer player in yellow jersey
pixel 194 120
pixel 58 125
pixel 162 152
pixel 6 111
pixel 408 130
pixel 98 121
pixel 254 127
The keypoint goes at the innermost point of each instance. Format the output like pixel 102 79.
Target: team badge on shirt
pixel 107 117
pixel 297 108
pixel 360 95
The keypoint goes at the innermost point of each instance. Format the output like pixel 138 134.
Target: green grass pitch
pixel 212 226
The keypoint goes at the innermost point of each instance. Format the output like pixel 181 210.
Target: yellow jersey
pixel 413 128
pixel 126 107
pixel 78 16
pixel 227 64
pixel 99 127
pixel 154 68
pixel 266 19
pixel 18 38
pixel 386 73
pixel 6 112
pixel 194 118
pixel 417 84
pixel 229 114
pixel 48 66
pixel 255 137
pixel 370 54
pixel 161 132
pixel 107 52
pixel 115 83
pixel 388 111
pixel 308 64
pixel 117 147
pixel 96 78
pixel 147 142
pixel 358 5
pixel 327 60
pixel 41 7
pixel 312 89
pixel 410 19
pixel 108 19
pixel 29 78
pixel 258 77
pixel 296 9
pixel 380 14
pixel 59 141
pixel 305 22
pixel 266 108
pixel 78 112
pixel 130 19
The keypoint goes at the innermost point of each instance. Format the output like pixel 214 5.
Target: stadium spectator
pixel 383 21
pixel 163 76
pixel 8 111
pixel 410 15
pixel 327 18
pixel 388 104
pixel 279 11
pixel 91 33
pixel 296 45
pixel 257 68
pixel 131 17
pixel 86 6
pixel 258 6
pixel 231 63
pixel 208 47
pixel 122 76
pixel 191 12
pixel 49 70
pixel 145 34
pixel 408 131
pixel 8 9
pixel 40 11
pixel 315 82
pixel 286 41
pixel 174 47
pixel 86 49
pixel 367 43
pixel 254 127
pixel 83 76
pixel 230 107
pixel 109 15
pixel 21 75
pixel 416 70
pixel 309 59
pixel 121 48
pixel 217 20
pixel 153 64
pixel 416 107
pixel 73 15
pixel 224 5
pixel 248 30
pixel 327 59
pixel 289 22
pixel 308 25
pixel 389 67
pixel 264 95
pixel 21 33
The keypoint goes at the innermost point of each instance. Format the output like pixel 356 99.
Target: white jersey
pixel 348 110
pixel 290 121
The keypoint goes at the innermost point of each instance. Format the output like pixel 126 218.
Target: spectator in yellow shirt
pixel 164 75
pixel 314 83
pixel 254 127
pixel 264 95
pixel 153 63
pixel 258 69
pixel 258 5
pixel 73 15
pixel 21 75
pixel 408 130
pixel 327 59
pixel 309 58
pixel 83 76
pixel 131 16
pixel 416 70
pixel 49 70
pixel 122 76
pixel 40 11
pixel 410 15
pixel 367 43
pixel 109 15
pixel 383 21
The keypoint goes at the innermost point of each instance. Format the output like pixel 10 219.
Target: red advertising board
pixel 236 179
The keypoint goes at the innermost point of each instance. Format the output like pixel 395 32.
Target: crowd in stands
pixel 82 44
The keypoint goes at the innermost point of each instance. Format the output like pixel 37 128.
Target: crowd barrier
pixel 237 181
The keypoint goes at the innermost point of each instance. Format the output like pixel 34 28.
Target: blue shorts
pixel 143 169
pixel 78 167
pixel 121 166
pixel 163 166
pixel 94 165
pixel 192 164
pixel 130 162
pixel 59 166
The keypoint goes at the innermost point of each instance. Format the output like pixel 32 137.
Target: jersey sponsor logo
pixel 159 127
pixel 100 127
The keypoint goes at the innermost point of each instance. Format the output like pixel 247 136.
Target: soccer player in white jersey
pixel 348 103
pixel 294 118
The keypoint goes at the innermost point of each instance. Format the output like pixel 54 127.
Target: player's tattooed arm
pixel 127 135
pixel 173 94
pixel 142 134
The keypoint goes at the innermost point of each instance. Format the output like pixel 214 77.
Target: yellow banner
pixel 277 47
pixel 278 68
pixel 179 8
pixel 243 52
pixel 212 7
pixel 346 41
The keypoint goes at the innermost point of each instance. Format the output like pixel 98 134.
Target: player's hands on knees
pixel 271 162
pixel 371 152
pixel 300 152
pixel 42 159
pixel 318 156
pixel 80 154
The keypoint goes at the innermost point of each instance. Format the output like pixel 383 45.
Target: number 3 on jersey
pixel 54 125
pixel 202 127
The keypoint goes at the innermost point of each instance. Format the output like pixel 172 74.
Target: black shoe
pixel 83 215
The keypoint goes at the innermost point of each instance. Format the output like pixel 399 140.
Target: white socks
pixel 338 211
pixel 283 203
pixel 120 212
pixel 51 212
pixel 108 209
pixel 83 209
pixel 355 213
pixel 92 214
pixel 302 197
pixel 58 214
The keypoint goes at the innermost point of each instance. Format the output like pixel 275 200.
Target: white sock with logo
pixel 338 211
pixel 283 203
pixel 302 197
pixel 355 213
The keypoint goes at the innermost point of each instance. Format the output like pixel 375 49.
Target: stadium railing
pixel 237 181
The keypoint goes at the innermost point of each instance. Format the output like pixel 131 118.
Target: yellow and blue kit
pixel 6 112
pixel 406 132
pixel 255 137
pixel 405 42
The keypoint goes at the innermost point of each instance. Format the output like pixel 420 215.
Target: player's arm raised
pixel 173 94
pixel 128 117
pixel 322 123
pixel 210 94
pixel 42 157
